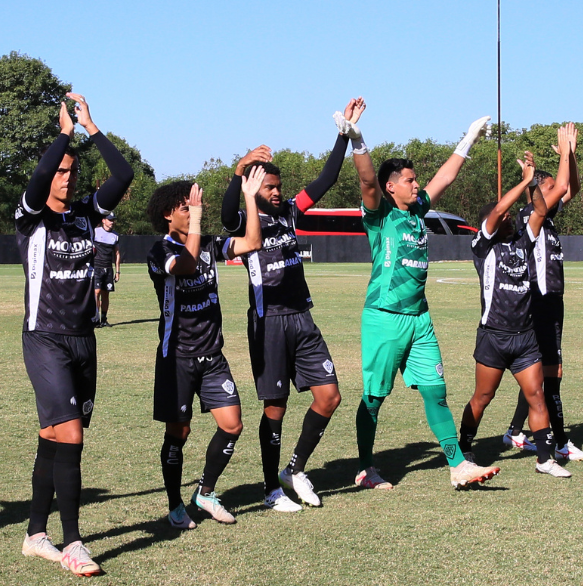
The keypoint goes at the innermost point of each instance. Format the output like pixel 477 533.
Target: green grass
pixel 520 528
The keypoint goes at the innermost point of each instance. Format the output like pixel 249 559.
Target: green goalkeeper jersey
pixel 398 244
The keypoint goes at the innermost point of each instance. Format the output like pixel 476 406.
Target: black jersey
pixel 105 243
pixel 190 313
pixel 546 264
pixel 277 285
pixel 504 279
pixel 57 256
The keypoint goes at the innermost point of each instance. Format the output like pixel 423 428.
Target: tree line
pixel 30 96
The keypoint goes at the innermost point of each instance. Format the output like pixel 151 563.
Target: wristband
pixel 359 146
pixel 117 273
pixel 195 218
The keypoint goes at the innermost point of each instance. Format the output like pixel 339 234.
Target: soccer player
pixel 189 359
pixel 397 331
pixel 547 287
pixel 505 336
pixel 106 243
pixel 284 342
pixel 55 238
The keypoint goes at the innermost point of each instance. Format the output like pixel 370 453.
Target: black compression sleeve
pixel 39 186
pixel 331 170
pixel 111 192
pixel 230 207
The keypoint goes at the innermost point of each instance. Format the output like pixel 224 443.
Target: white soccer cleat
pixel 76 559
pixel 468 473
pixel 212 505
pixel 369 478
pixel 302 486
pixel 40 545
pixel 519 442
pixel 278 501
pixel 569 452
pixel 551 467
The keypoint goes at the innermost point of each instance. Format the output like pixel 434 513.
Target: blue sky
pixel 188 81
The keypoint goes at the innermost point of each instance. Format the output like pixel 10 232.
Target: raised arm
pixel 497 215
pixel 39 186
pixel 369 185
pixel 450 169
pixel 329 175
pixel 252 239
pixel 231 199
pixel 111 192
pixel 187 262
pixel 574 180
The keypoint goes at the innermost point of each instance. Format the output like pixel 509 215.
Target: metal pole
pixel 499 116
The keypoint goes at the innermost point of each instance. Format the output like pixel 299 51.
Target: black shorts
pixel 179 378
pixel 63 373
pixel 284 347
pixel 548 312
pixel 103 279
pixel 514 350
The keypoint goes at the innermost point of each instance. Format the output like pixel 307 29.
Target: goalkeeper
pixel 397 331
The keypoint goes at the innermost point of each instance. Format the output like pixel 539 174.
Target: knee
pixel 180 431
pixel 236 428
pixel 275 409
pixel 327 401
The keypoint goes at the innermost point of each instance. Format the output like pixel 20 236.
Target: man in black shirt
pixel 505 338
pixel 284 342
pixel 547 286
pixel 106 244
pixel 189 360
pixel 55 238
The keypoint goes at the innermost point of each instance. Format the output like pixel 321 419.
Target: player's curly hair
pixel 541 176
pixel 164 200
pixel 392 167
pixel 485 211
pixel 269 168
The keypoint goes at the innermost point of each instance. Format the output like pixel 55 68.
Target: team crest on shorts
pixel 439 369
pixel 206 257
pixel 229 386
pixel 328 366
pixel 109 286
pixel 87 407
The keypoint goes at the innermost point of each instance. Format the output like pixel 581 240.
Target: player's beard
pixel 267 207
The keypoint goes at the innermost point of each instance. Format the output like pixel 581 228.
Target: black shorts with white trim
pixel 179 378
pixel 287 347
pixel 63 373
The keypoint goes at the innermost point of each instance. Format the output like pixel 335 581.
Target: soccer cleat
pixel 179 518
pixel 76 558
pixel 105 324
pixel 278 501
pixel 301 484
pixel 40 545
pixel 551 467
pixel 369 478
pixel 519 442
pixel 468 472
pixel 212 505
pixel 569 452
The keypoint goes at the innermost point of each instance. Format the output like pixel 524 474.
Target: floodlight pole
pixel 499 116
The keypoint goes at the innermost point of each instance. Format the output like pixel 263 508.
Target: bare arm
pixel 450 169
pixel 117 263
pixel 187 262
pixel 574 180
pixel 561 186
pixel 444 178
pixel 540 210
pixel 496 216
pixel 252 239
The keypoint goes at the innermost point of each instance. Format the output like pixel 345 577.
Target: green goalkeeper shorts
pixel 393 341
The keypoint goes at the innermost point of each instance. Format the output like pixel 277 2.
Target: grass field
pixel 520 528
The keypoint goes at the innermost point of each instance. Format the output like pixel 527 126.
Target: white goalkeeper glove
pixel 476 130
